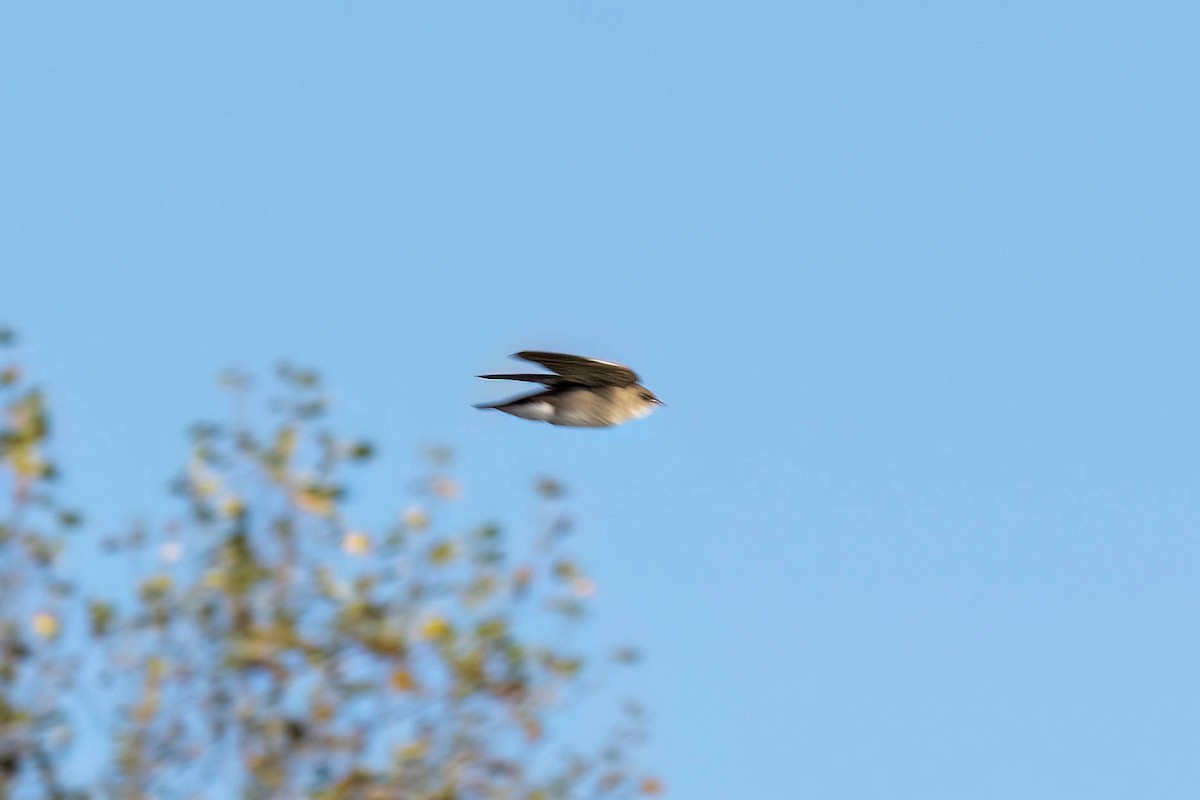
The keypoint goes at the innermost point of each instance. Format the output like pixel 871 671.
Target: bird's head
pixel 648 397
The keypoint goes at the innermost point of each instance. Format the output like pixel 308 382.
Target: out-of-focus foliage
pixel 275 646
pixel 37 668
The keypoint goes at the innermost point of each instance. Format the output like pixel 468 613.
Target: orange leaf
pixel 653 787
pixel 402 681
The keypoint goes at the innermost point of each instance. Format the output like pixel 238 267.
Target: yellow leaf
pixel 25 460
pixel 413 751
pixel 416 518
pixel 155 587
pixel 45 625
pixel 356 543
pixel 436 628
pixel 204 482
pixel 315 502
pixel 232 507
pixel 285 442
pixel 144 711
pixel 156 669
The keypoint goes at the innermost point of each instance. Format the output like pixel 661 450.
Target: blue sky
pixel 918 282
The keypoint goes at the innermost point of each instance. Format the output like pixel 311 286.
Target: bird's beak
pixel 660 402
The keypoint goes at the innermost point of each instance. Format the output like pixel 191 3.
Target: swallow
pixel 581 392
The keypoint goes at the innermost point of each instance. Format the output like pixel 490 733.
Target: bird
pixel 581 393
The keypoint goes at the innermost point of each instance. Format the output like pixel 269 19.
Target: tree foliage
pixel 271 647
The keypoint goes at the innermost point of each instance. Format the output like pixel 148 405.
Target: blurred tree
pixel 36 669
pixel 274 650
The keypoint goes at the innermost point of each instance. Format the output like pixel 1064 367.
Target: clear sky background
pixel 919 282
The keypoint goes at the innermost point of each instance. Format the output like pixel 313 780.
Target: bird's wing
pixel 541 377
pixel 577 369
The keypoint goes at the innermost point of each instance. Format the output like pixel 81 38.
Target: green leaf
pixel 491 628
pixel 443 552
pixel 361 450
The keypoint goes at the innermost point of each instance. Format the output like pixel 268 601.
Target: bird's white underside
pixel 545 412
pixel 644 411
pixel 535 411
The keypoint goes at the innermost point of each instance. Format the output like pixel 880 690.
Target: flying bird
pixel 582 392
